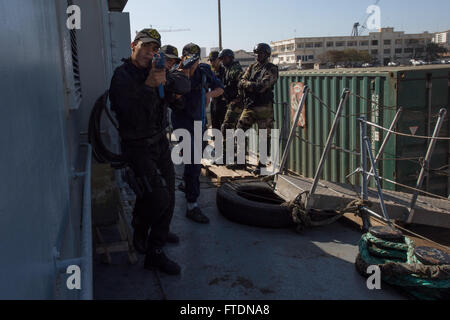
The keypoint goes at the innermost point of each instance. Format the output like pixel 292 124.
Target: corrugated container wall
pixel 375 93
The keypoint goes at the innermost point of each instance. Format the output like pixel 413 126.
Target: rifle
pixel 160 63
pixel 190 61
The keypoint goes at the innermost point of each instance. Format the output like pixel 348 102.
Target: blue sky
pixel 247 22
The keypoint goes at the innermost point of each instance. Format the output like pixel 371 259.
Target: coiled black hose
pixel 101 153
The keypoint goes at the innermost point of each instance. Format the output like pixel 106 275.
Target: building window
pixel 330 44
pixel 387 51
pixel 364 43
pixel 309 45
pixel 374 51
pixel 399 41
pixel 300 45
pixel 409 50
pixel 311 57
pixel 413 41
pixel 374 42
pixel 387 42
pixel 299 58
pixel 318 45
pixel 399 50
pixel 340 44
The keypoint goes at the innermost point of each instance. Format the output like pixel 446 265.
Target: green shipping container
pixel 421 91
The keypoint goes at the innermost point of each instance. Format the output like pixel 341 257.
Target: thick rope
pixel 400 267
pixel 304 218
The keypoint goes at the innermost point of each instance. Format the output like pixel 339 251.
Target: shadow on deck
pixel 227 261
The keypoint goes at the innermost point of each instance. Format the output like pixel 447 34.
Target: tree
pixel 433 51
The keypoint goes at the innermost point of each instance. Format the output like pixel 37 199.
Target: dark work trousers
pixel 218 111
pixel 192 176
pixel 155 208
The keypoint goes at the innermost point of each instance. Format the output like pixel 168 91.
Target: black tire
pixel 246 203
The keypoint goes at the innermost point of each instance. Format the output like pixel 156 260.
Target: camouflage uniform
pixel 219 104
pixel 234 101
pixel 257 86
pixel 233 74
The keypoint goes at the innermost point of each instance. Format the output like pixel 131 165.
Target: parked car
pixel 393 64
pixel 417 62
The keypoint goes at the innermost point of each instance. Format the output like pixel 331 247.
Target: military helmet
pixel 213 56
pixel 263 47
pixel 226 53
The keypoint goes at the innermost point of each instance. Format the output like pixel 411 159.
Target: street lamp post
pixel 220 27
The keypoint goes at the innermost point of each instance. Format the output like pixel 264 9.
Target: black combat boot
pixel 196 215
pixel 157 259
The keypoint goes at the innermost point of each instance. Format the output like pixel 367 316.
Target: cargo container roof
pixel 365 70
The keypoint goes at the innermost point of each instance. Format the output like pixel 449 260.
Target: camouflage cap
pixel 191 49
pixel 148 35
pixel 213 56
pixel 170 52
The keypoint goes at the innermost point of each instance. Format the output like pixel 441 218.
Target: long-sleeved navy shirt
pixel 193 100
pixel 139 109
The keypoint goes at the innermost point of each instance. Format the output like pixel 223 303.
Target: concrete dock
pixel 229 261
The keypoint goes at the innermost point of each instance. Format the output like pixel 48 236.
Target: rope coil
pixel 400 267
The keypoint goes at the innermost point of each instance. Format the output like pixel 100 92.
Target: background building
pixel 442 38
pixel 245 58
pixel 203 52
pixel 384 46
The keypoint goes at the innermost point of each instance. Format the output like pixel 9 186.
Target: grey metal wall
pixel 34 168
pixel 40 137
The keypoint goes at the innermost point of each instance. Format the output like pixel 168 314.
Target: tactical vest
pixel 257 99
pixel 230 83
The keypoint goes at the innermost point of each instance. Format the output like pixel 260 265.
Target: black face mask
pixel 262 57
pixel 230 62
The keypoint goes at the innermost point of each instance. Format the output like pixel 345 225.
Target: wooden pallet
pixel 220 174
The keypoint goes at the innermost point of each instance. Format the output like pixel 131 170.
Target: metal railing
pixel 366 154
pixel 85 261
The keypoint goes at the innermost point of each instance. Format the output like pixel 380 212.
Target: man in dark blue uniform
pixel 140 107
pixel 202 80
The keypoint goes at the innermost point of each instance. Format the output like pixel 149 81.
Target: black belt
pixel 145 141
